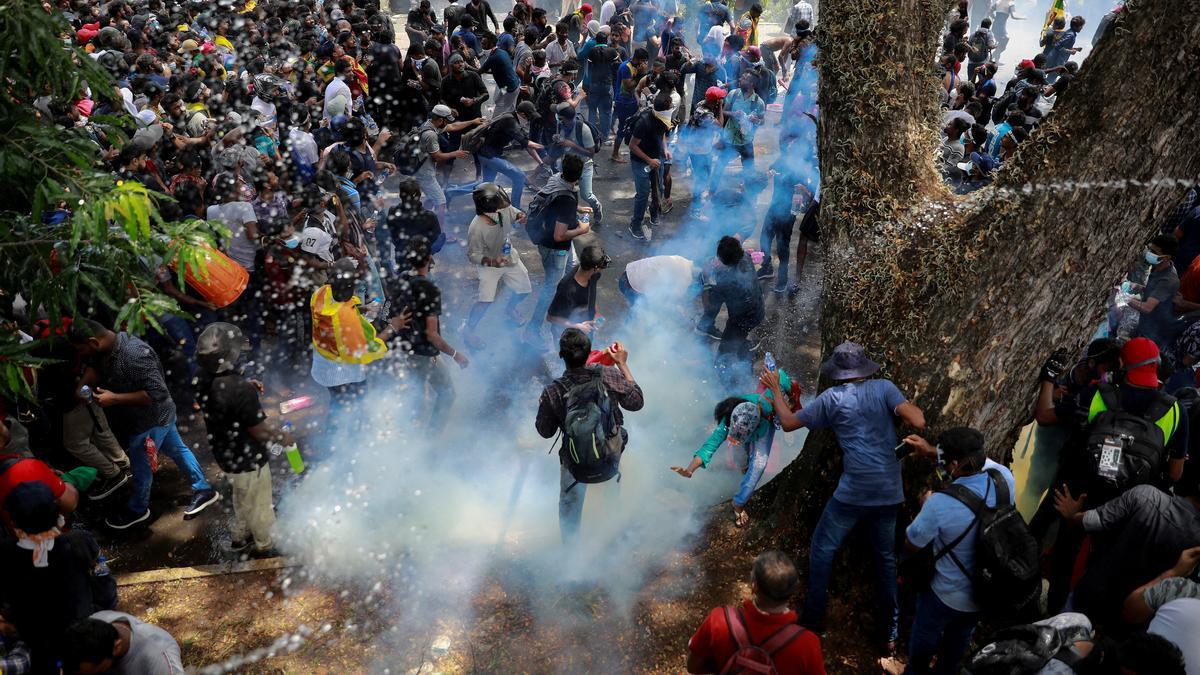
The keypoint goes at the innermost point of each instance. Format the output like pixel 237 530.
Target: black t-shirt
pixel 503 131
pixel 649 132
pixel 426 301
pixel 562 209
pixel 45 600
pixel 231 407
pixel 404 224
pixel 601 59
pixel 573 302
pixel 470 86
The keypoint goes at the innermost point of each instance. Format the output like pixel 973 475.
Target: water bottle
pixel 585 218
pixel 293 452
pixel 769 361
pixel 507 247
pixel 85 392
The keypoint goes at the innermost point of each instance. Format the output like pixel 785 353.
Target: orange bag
pixel 222 280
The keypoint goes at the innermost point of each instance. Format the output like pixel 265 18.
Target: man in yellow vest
pixel 343 340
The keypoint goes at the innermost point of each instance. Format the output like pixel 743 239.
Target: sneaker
pixel 260 553
pixel 766 272
pixel 637 232
pixel 106 486
pixel 200 501
pixel 780 290
pixel 710 331
pixel 648 230
pixel 126 519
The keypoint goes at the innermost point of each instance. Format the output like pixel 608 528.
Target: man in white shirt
pixel 801 11
pixel 337 88
pixel 607 10
pixel 120 644
pixel 664 279
pixel 239 217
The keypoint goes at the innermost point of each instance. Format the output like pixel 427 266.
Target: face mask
pixel 292 241
pixel 1152 258
pixel 494 216
pixel 417 63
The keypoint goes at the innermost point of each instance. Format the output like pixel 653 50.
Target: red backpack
pixel 755 658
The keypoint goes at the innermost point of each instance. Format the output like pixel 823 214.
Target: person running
pixel 620 391
pixel 489 246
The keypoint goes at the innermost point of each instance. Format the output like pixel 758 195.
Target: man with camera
pixel 574 303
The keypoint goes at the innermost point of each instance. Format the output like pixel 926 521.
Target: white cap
pixel 316 241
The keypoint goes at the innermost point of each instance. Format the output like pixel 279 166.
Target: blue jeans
pixel 837 520
pixel 554 268
pixel 585 190
pixel 725 156
pixel 938 629
pixel 645 181
pixel 493 165
pixel 570 505
pixel 170 444
pixel 757 453
pixel 625 114
pixel 600 110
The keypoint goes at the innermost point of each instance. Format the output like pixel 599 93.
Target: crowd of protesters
pixel 331 156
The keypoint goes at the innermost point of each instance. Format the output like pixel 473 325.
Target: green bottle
pixel 293 452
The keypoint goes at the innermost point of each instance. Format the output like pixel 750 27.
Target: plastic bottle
pixel 507 247
pixel 769 361
pixel 293 452
pixel 85 392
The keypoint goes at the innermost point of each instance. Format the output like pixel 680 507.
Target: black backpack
pixel 1125 449
pixel 409 157
pixel 1007 558
pixel 592 440
pixel 539 222
pixel 597 141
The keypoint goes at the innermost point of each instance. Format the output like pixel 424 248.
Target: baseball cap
pixel 442 110
pixel 742 422
pixel 1026 64
pixel 528 109
pixel 145 138
pixel 585 9
pixel 189 45
pixel 1139 362
pixel 219 345
pixel 316 241
pixel 714 94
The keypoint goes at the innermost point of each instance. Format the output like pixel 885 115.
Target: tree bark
pixel 961 298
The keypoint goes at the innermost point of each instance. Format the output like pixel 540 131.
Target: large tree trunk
pixel 961 298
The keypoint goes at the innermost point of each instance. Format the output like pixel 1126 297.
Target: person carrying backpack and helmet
pixel 748 421
pixel 760 635
pixel 984 557
pixel 585 407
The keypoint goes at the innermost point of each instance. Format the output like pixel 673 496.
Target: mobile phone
pixel 903 450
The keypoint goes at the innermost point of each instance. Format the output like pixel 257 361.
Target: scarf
pixel 41 543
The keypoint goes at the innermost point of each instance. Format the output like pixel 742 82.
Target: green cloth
pixel 81 477
pixel 766 407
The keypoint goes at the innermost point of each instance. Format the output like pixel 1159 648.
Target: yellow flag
pixel 1058 9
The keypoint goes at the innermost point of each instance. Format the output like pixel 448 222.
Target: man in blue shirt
pixel 625 102
pixel 947 611
pixel 499 65
pixel 861 411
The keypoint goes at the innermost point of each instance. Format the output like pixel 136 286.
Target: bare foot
pixel 619 159
pixel 740 517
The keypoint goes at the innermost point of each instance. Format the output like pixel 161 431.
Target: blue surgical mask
pixel 1152 258
pixel 292 241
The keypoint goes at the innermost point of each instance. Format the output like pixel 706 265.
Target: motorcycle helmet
pixel 489 198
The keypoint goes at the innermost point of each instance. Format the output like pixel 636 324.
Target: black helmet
pixel 489 198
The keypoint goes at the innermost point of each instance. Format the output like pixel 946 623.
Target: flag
pixel 1058 9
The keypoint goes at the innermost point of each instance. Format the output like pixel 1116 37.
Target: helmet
pixel 489 198
pixel 269 87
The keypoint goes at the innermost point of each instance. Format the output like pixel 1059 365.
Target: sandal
pixel 740 518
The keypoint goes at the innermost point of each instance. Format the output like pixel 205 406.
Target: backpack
pixel 595 131
pixel 540 231
pixel 765 85
pixel 409 157
pixel 472 140
pixel 592 441
pixel 755 658
pixel 1007 557
pixel 543 96
pixel 1125 449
